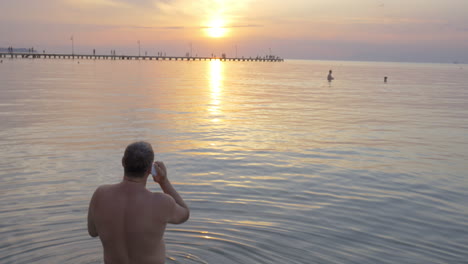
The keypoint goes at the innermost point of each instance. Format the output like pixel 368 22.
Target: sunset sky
pixel 396 30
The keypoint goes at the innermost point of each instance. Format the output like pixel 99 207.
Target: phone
pixel 153 171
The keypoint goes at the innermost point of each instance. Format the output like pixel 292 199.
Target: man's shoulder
pixel 105 188
pixel 162 198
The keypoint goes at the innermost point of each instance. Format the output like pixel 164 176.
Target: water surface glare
pixel 276 164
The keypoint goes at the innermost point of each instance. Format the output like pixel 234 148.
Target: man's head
pixel 137 159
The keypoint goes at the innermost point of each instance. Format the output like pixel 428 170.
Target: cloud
pixel 141 2
pixel 119 3
pixel 98 3
pixel 193 27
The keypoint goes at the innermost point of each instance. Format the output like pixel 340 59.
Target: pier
pixel 19 55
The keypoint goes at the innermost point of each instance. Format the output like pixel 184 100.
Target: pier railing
pixel 128 57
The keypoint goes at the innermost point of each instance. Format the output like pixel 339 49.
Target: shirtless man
pixel 128 218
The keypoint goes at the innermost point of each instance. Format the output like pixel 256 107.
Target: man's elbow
pixel 93 233
pixel 186 217
pixel 181 218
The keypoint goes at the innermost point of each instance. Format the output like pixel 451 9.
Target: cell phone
pixel 153 171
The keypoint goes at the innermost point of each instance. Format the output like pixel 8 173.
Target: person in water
pixel 385 79
pixel 330 77
pixel 128 218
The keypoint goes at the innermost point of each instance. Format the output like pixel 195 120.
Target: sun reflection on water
pixel 216 86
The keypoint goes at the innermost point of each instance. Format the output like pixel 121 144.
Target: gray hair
pixel 137 159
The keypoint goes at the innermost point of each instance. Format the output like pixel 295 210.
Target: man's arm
pixel 91 226
pixel 180 211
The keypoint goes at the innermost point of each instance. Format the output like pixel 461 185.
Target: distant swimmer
pixel 385 79
pixel 330 77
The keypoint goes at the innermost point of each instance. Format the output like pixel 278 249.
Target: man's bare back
pixel 130 220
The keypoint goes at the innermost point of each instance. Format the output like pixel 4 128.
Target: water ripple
pixel 276 164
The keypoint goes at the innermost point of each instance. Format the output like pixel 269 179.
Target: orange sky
pixel 397 30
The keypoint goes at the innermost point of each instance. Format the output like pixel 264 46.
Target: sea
pixel 277 164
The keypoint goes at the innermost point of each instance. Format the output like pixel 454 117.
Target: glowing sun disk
pixel 216 29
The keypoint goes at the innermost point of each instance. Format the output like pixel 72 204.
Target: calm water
pixel 276 164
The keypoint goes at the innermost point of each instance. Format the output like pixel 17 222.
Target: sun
pixel 216 29
pixel 216 32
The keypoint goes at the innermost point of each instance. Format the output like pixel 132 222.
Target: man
pixel 128 218
pixel 330 77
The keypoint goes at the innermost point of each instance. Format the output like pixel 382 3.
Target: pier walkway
pixel 128 57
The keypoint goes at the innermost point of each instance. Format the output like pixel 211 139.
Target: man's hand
pixel 161 175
